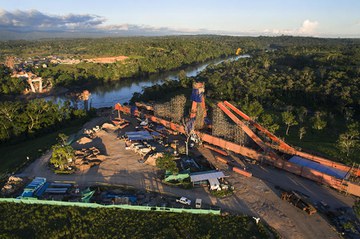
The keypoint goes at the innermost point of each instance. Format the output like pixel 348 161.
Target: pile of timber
pixel 13 184
pixel 87 158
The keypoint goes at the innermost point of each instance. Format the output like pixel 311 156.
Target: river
pixel 122 91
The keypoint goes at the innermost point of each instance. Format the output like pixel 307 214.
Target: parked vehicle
pixel 183 200
pixel 298 201
pixel 198 202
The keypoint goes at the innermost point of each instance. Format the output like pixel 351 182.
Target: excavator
pixel 269 153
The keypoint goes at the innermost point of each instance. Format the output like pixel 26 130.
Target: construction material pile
pixel 12 185
pixel 84 140
pixel 108 126
pixel 87 158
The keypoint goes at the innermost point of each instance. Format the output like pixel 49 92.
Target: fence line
pixel 96 205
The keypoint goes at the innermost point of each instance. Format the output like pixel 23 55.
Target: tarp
pixel 318 167
pixel 133 109
pixel 32 187
pixel 86 195
pixel 196 95
pixel 139 135
pixel 155 134
pixel 41 191
pixel 202 176
pixel 131 198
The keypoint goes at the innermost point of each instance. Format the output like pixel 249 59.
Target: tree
pixel 318 122
pixel 289 120
pixel 8 116
pixel 253 109
pixel 266 63
pixel 302 132
pixel 301 113
pixel 267 120
pixel 166 162
pixel 183 78
pixel 62 138
pixel 349 140
pixel 348 113
pixel 62 154
pixel 356 208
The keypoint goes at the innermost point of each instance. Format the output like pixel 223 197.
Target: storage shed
pixel 208 176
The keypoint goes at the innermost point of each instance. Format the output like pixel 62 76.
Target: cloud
pixel 34 24
pixel 34 20
pixel 308 27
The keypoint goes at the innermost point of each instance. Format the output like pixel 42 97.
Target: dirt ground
pixel 107 59
pixel 254 196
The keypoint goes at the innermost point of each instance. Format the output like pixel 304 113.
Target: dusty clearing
pixel 254 196
pixel 107 59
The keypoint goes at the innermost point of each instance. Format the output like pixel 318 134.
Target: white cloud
pixel 19 22
pixel 308 27
pixel 33 20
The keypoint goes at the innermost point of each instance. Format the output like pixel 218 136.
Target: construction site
pixel 216 150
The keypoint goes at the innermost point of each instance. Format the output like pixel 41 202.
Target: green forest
pixel 42 221
pixel 21 120
pixel 147 55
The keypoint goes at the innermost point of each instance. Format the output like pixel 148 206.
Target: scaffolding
pixel 173 110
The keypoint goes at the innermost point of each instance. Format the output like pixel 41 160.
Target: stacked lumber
pixel 12 185
pixel 84 140
pixel 87 158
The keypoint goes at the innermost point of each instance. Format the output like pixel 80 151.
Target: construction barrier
pixel 242 172
pixel 221 159
pixel 96 205
pixel 222 152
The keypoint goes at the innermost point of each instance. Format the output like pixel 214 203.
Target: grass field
pixel 323 142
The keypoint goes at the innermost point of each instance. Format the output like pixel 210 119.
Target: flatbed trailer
pixel 298 201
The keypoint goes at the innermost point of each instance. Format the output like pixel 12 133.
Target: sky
pixel 319 18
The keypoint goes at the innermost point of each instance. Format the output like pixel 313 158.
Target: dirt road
pixel 254 196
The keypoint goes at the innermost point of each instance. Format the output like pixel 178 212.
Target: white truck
pixel 198 202
pixel 183 200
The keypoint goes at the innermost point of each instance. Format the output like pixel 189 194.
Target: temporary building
pixel 211 176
